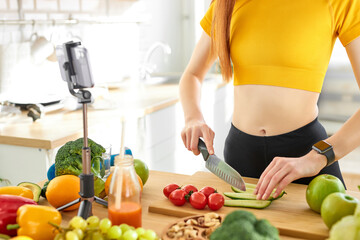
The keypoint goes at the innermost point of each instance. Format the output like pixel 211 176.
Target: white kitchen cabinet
pixel 165 150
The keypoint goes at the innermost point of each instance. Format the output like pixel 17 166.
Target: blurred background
pixel 127 41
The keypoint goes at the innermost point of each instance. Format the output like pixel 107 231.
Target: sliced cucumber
pixel 248 189
pixel 251 191
pixel 248 196
pixel 259 204
pixel 249 186
pixel 36 189
pixel 243 195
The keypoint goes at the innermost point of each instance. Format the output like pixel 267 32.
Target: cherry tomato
pixel 198 200
pixel 215 201
pixel 177 197
pixel 169 189
pixel 188 188
pixel 207 191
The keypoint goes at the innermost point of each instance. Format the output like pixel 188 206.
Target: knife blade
pixel 220 168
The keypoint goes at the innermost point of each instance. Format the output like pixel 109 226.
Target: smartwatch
pixel 325 148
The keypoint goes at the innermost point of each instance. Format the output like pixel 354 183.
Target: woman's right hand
pixel 191 133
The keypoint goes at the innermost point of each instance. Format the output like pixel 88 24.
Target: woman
pixel 280 52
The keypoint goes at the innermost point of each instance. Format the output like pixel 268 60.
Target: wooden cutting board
pixel 290 214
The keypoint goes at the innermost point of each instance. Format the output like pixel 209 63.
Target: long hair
pixel 220 35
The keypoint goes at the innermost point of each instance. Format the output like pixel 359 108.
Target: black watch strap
pixel 330 156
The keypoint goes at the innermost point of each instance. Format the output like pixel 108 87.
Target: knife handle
pixel 202 148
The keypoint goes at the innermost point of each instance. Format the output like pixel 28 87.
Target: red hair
pixel 220 35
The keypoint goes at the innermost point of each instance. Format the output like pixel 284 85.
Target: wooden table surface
pixel 152 192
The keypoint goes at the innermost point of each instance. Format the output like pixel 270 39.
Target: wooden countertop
pixel 57 128
pixel 152 192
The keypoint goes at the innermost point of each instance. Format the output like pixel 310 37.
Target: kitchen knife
pixel 221 168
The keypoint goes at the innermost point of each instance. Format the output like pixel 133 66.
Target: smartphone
pixel 81 65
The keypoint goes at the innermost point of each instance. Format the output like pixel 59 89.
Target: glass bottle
pixel 124 204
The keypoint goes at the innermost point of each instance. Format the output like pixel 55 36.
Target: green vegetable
pixel 247 203
pixel 68 160
pixel 245 225
pixel 250 187
pixel 36 189
pixel 43 190
pixel 248 196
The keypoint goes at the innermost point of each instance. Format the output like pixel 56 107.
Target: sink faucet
pixel 146 69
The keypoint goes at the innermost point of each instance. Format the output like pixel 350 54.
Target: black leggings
pixel 250 154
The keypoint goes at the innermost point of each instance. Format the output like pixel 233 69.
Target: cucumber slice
pixel 248 196
pixel 36 189
pixel 249 186
pixel 259 204
pixel 251 191
pixel 248 190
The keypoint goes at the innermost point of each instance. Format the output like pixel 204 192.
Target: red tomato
pixel 198 200
pixel 215 201
pixel 188 188
pixel 169 189
pixel 207 191
pixel 177 197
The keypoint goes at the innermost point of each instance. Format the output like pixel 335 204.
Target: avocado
pixel 36 189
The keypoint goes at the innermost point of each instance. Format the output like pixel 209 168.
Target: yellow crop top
pixel 287 43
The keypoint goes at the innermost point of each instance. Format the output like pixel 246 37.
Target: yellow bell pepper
pixel 18 191
pixel 34 221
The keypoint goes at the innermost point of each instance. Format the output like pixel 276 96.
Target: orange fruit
pixel 62 190
pixel 108 181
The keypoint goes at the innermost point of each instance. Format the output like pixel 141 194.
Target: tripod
pixel 87 195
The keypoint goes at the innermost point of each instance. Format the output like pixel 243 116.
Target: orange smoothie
pixel 129 213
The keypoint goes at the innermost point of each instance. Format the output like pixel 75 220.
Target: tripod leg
pixel 69 204
pixel 85 209
pixel 101 201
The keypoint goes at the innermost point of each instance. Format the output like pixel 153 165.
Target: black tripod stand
pixel 72 64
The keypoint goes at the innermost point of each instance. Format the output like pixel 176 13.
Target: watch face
pixel 322 145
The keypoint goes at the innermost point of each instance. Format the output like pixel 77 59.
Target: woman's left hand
pixel 283 170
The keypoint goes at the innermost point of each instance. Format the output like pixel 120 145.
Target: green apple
pixel 142 170
pixel 320 187
pixel 336 206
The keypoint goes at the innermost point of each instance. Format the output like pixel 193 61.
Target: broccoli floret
pixel 68 160
pixel 236 215
pixel 244 225
pixel 265 228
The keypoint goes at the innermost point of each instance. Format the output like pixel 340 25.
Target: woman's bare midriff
pixel 263 110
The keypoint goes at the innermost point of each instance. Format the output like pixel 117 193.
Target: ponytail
pixel 220 35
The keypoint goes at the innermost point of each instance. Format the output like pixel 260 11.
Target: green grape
pixel 70 235
pixel 114 232
pixel 104 225
pixel 140 231
pixel 130 235
pixel 149 235
pixel 93 221
pixel 79 233
pixel 77 222
pixel 124 227
pixel 59 236
pixel 97 236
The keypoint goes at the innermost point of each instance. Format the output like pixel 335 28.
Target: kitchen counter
pixel 152 192
pixel 33 145
pixel 135 101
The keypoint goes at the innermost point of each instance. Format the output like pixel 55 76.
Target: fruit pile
pixel 198 199
pixel 326 195
pixel 95 229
